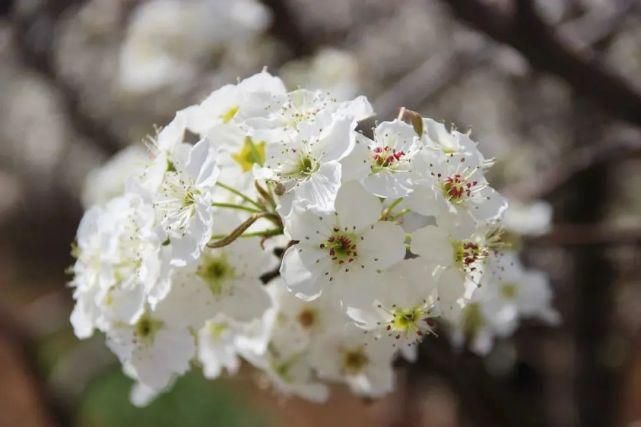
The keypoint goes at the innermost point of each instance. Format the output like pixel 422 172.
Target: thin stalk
pixel 237 232
pixel 240 194
pixel 235 206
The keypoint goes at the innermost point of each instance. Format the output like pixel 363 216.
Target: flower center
pixel 468 253
pixel 385 158
pixel 307 318
pixel 509 290
pixel 406 320
pixel 146 327
pixel 354 360
pixel 307 166
pixel 457 188
pixel 341 247
pixel 215 271
pixel 218 329
pixel 177 201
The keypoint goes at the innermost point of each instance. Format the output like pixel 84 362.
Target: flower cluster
pixel 263 225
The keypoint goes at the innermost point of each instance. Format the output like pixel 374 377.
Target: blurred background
pixel 551 88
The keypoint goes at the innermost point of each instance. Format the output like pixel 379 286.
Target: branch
pixel 523 29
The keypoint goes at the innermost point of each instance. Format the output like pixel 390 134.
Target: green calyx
pixel 215 271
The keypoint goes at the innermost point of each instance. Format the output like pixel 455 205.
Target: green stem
pixel 239 194
pixel 386 215
pixel 235 206
pixel 400 214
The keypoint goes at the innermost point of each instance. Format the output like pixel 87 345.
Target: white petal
pixel 319 191
pixel 433 244
pixel 297 276
pixel 355 207
pixel 383 244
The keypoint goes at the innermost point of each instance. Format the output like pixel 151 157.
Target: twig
pixel 523 29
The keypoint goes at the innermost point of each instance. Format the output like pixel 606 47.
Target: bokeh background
pixel 551 88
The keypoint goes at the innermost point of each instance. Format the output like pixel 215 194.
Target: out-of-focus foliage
pixel 193 402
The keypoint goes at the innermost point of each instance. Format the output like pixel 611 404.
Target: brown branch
pixel 523 29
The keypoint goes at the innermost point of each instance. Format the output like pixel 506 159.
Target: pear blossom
pixel 347 355
pixel 286 238
pixel 308 166
pixel 305 107
pixel 342 251
pixel 156 349
pixel 403 306
pixel 118 263
pixel 251 98
pixel 182 198
pixel 384 164
pixel 460 255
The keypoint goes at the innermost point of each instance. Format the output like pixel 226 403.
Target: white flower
pixel 216 347
pixel 284 361
pixel 157 349
pixel 377 237
pixel 343 251
pixel 384 164
pixel 449 177
pixel 118 264
pixel 438 138
pixel 299 322
pixel 527 292
pixel 227 281
pixel 476 324
pixel 457 187
pixel 304 107
pixel 252 97
pixel 290 374
pixel 308 165
pixel 347 355
pixel 403 306
pixel 460 252
pixel 508 293
pixel 183 199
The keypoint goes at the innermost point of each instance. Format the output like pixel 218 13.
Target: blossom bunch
pixel 267 226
